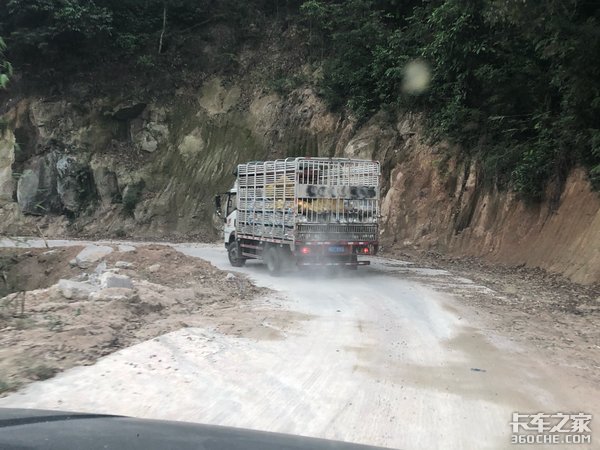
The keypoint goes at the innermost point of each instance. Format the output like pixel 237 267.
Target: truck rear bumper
pixel 332 263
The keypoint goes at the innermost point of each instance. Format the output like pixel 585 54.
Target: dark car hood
pixel 37 429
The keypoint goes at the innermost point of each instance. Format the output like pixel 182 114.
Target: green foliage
pixel 517 83
pixel 533 168
pixel 44 24
pixel 132 196
pixel 354 29
pixel 283 84
pixel 595 158
pixel 145 61
pixel 41 371
pixel 53 323
pixel 5 386
pixel 6 69
pixel 99 30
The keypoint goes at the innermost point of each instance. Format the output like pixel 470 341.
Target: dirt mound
pixel 29 269
pixel 46 328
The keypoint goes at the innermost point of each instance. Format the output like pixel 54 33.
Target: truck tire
pixel 353 259
pixel 288 262
pixel 273 260
pixel 233 252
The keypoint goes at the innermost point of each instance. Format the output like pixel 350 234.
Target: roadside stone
pixel 83 277
pixel 123 265
pixel 91 254
pixel 27 188
pixel 230 276
pixel 587 308
pixel 113 280
pixel 126 248
pixel 70 289
pixel 127 110
pixel 100 268
pixel 110 294
pixel 154 268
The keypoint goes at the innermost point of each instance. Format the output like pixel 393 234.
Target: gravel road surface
pixel 369 356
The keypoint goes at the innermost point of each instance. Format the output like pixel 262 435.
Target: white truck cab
pixel 228 213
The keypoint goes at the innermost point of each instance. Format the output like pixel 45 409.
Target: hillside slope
pixel 132 161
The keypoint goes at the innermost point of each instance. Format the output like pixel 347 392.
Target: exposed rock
pixel 100 268
pixel 82 277
pixel 112 280
pixel 359 148
pixel 132 194
pixel 127 110
pixel 192 145
pixel 154 268
pixel 75 290
pixel 123 265
pixel 216 99
pixel 110 294
pixel 7 158
pixel 146 141
pixel 406 127
pixel 107 185
pixel 91 254
pixel 50 118
pixel 230 276
pixel 36 187
pixel 152 133
pixel 126 248
pixel 27 189
pixel 429 199
pixel 75 183
pixel 586 309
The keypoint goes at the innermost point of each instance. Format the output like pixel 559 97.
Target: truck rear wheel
pixel 233 252
pixel 273 260
pixel 353 260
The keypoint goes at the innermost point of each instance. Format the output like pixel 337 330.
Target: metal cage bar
pixel 308 199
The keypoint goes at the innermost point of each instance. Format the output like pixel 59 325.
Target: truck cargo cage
pixel 335 232
pixel 308 199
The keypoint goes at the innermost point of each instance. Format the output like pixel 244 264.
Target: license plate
pixel 337 249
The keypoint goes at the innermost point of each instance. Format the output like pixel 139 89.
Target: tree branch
pixel 164 25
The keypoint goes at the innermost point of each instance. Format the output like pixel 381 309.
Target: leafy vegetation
pixel 5 66
pixel 42 371
pixel 132 196
pixel 516 83
pixel 5 386
pixel 106 29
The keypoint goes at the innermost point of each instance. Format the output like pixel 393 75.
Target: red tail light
pixel 305 250
pixel 365 250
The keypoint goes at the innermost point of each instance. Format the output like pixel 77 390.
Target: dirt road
pixel 368 356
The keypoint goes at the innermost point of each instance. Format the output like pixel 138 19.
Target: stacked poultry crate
pixel 308 199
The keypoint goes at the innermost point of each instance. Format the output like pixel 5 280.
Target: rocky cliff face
pixel 149 167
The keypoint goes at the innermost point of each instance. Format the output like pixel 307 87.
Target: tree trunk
pixel 162 33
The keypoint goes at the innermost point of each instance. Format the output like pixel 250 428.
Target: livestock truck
pixel 302 212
